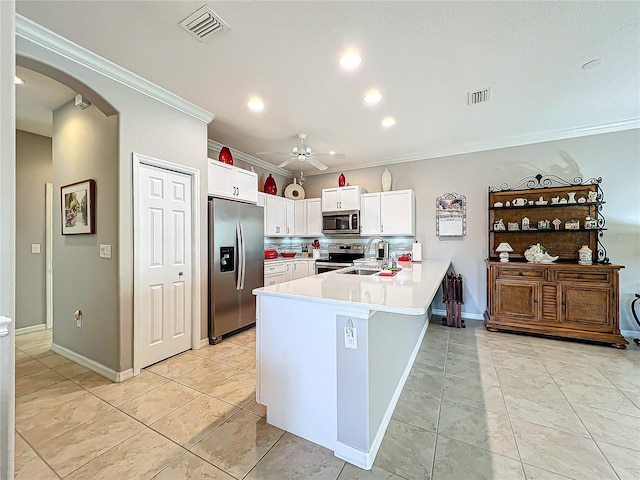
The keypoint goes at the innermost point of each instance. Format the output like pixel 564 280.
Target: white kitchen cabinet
pixel 227 181
pixel 313 217
pixel 275 211
pixel 300 224
pixel 388 213
pixel 274 272
pixel 296 269
pixel 341 198
pixel 290 217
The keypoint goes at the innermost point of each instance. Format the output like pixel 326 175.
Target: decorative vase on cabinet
pixel 341 180
pixel 386 180
pixel 270 186
pixel 225 156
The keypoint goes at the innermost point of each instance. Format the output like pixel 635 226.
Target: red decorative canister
pixel 341 180
pixel 225 156
pixel 270 186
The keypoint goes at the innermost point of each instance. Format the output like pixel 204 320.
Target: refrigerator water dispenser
pixel 227 259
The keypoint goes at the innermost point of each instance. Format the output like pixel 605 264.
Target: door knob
pixel 180 274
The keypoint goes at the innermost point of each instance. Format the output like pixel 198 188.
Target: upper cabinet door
pixel 227 181
pixel 398 212
pixel 300 209
pixel 330 199
pixel 290 217
pixel 370 214
pixel 350 198
pixel 275 214
pixel 246 184
pixel 314 217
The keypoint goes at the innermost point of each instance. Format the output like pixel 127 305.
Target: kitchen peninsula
pixel 334 350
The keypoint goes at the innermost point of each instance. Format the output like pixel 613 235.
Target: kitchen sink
pixel 359 271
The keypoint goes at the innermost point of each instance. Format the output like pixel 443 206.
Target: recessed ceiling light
pixel 332 152
pixel 18 81
pixel 592 64
pixel 256 104
pixel 388 122
pixel 372 97
pixel 350 60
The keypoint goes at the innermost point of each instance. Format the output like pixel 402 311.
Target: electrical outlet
pixel 105 251
pixel 35 248
pixel 350 337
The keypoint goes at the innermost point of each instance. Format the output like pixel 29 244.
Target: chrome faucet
pixel 385 246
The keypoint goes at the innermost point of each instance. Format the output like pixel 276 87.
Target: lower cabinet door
pixel 516 299
pixel 274 279
pixel 586 306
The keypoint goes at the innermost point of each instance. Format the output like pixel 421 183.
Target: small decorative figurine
pixel 498 225
pixel 544 225
pixel 572 197
pixel 556 223
pixel 555 199
pixel 497 204
pixel 582 200
pixel 513 226
pixel 508 204
pixel 525 223
pixel 592 196
pixel 541 201
pixel 585 256
pixel 590 223
pixel 572 225
pixel 270 186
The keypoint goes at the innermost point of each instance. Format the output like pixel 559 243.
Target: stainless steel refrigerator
pixel 236 265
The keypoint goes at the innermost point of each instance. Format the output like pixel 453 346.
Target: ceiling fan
pixel 303 153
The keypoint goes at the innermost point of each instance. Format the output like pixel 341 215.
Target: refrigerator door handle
pixel 244 258
pixel 240 257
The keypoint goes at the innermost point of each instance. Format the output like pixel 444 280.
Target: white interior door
pixel 165 264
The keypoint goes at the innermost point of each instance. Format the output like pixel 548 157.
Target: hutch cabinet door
pixel 587 305
pixel 516 299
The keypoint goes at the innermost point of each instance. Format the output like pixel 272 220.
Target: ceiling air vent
pixel 479 96
pixel 203 23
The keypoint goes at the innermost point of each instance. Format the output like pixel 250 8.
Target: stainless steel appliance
pixel 346 222
pixel 236 265
pixel 340 256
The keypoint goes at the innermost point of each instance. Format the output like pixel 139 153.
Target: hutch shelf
pixel 561 299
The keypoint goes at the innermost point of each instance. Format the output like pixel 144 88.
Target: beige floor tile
pixel 255 407
pixel 240 358
pixel 239 390
pixel 458 461
pixel 49 397
pixel 425 382
pixel 568 372
pixel 61 418
pixel 205 378
pixel 29 367
pixel 91 380
pixel 178 365
pixel 119 393
pixel 36 381
pixel 80 445
pixel 195 420
pixel 560 452
pixel 476 395
pixel 250 368
pixel 618 362
pixel 461 351
pixel 191 467
pixel 624 461
pixel 35 338
pixel 238 444
pixel 243 338
pixel 535 473
pixel 403 442
pixel 528 384
pixel 478 427
pixel 141 456
pixel 29 466
pixel 53 360
pixel 159 402
pixel 214 352
pixel 418 409
pixel 622 379
pixel 546 352
pixel 527 363
pixel 633 396
pixel 295 458
pixel 71 369
pixel 615 428
pixel 20 446
pixel 547 410
pixel 597 396
pixel 432 363
pixel 37 351
pixel 484 373
pixel 350 472
pixel 22 357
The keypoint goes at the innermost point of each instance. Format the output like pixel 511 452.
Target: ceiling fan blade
pixel 287 162
pixel 316 163
pixel 273 153
pixel 328 154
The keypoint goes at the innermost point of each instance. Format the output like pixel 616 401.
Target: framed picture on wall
pixel 78 208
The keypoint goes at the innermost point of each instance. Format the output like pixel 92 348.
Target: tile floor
pixel 477 405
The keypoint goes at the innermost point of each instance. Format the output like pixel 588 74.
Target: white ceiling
pixel 424 56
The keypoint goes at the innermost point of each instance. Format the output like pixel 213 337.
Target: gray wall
pixel 85 146
pixel 613 156
pixel 33 171
pixel 146 126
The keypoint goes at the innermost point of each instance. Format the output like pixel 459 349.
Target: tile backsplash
pixel 397 245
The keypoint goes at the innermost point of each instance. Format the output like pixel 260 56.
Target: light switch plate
pixel 350 337
pixel 105 251
pixel 35 248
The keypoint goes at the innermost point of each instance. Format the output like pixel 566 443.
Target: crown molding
pixel 216 147
pixel 506 142
pixel 53 42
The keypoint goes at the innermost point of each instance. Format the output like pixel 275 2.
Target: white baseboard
pixel 625 333
pixel 465 315
pixel 93 365
pixel 204 342
pixel 31 329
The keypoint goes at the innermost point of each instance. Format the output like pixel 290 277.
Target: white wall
pixel 149 127
pixel 613 156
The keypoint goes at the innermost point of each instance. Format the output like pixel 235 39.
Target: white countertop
pixel 409 292
pixel 288 259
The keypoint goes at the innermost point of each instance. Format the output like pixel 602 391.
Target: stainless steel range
pixel 340 256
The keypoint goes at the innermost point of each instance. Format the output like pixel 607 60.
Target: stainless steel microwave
pixel 345 222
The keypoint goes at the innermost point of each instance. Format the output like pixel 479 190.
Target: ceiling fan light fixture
pixel 388 122
pixel 372 97
pixel 350 60
pixel 255 104
pixel 17 80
